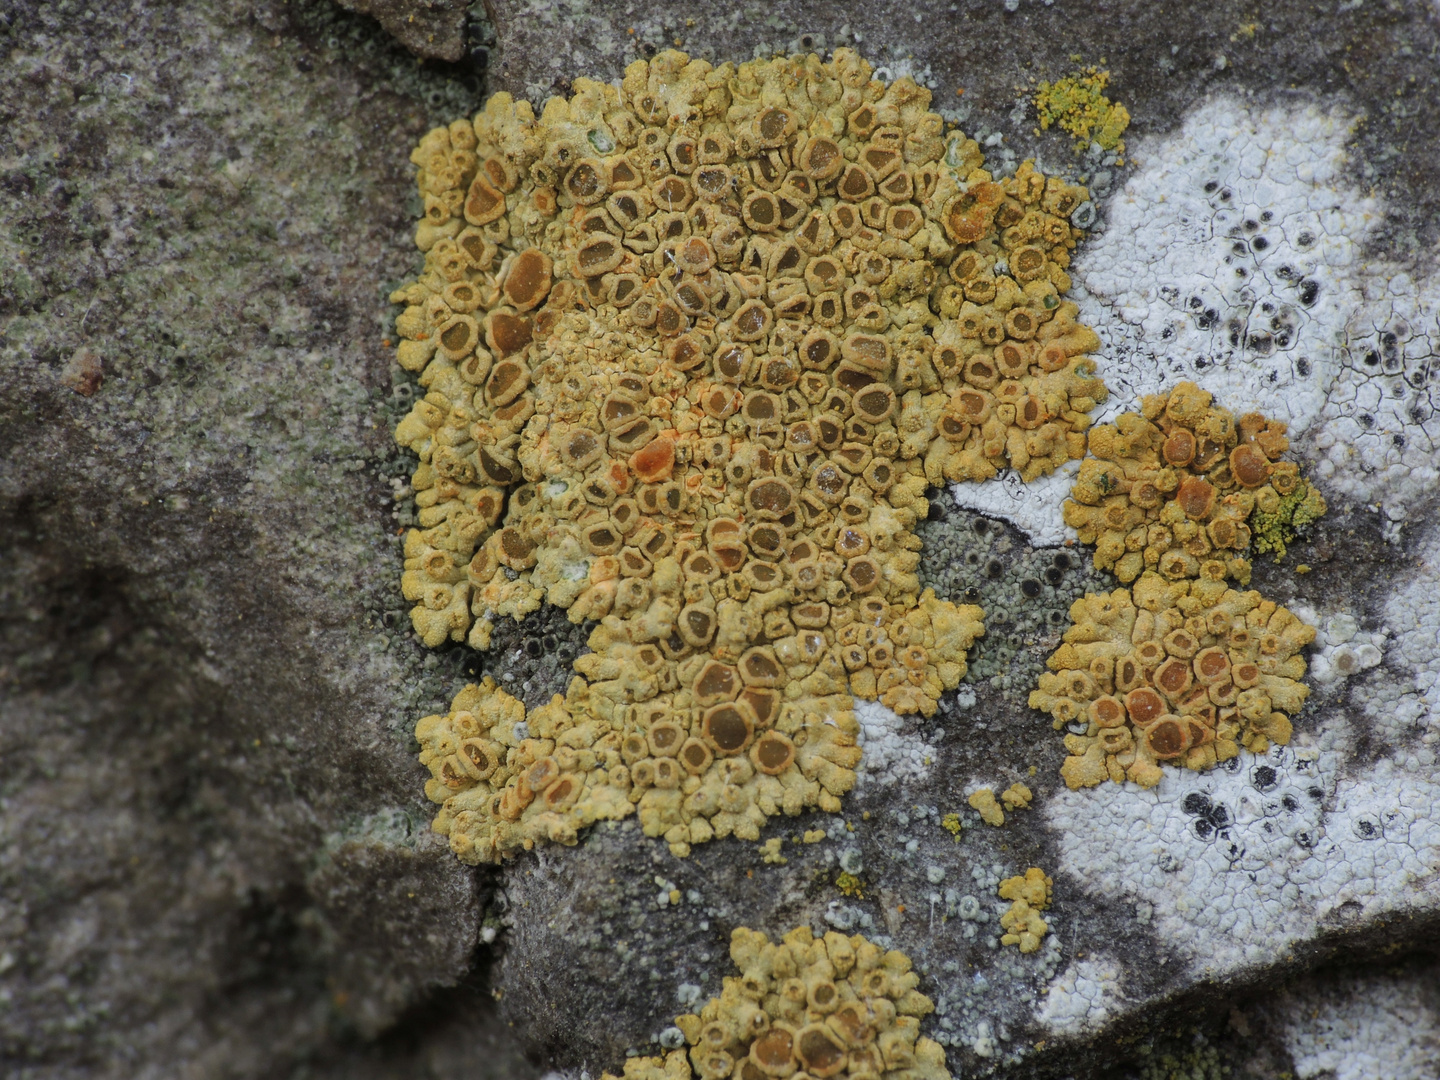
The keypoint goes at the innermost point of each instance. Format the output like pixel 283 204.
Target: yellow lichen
pixel 1177 487
pixel 1183 672
pixel 673 1066
pixel 983 801
pixel 1016 797
pixel 1079 105
pixel 1029 895
pixel 1276 521
pixel 951 824
pixel 770 852
pixel 835 1006
pixel 692 350
pixel 850 885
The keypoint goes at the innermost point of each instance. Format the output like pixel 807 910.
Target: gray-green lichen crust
pixel 1025 592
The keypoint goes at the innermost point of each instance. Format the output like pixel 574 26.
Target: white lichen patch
pixel 893 751
pixel 1341 647
pixel 1234 257
pixel 1240 864
pixel 1401 700
pixel 1034 508
pixel 1380 1025
pixel 1228 860
pixel 1082 997
pixel 1413 615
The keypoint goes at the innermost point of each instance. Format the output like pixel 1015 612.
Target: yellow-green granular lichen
pixel 851 885
pixel 1078 104
pixel 693 349
pixel 1029 894
pixel 1278 519
pixel 807 1006
pixel 951 824
pixel 1183 1055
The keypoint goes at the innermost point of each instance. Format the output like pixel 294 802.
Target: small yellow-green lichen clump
pixel 1277 518
pixel 1183 672
pixel 693 348
pixel 1029 895
pixel 835 1006
pixel 1184 488
pixel 1079 105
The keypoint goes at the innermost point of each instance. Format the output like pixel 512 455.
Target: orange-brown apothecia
pixel 1182 672
pixel 1173 487
pixel 693 348
pixel 835 1006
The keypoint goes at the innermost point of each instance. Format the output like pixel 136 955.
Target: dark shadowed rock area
pixel 215 856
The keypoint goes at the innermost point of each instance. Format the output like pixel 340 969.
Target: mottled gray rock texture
pixel 214 848
pixel 216 857
pixel 430 28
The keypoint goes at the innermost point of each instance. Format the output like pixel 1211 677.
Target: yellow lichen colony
pixel 1029 895
pixel 693 348
pixel 1079 105
pixel 835 1006
pixel 1172 488
pixel 1182 669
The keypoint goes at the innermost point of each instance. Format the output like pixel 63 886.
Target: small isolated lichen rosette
pixel 1029 894
pixel 1183 488
pixel 1172 671
pixel 693 349
pixel 835 1006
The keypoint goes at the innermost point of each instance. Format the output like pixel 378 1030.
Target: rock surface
pixel 216 857
pixel 430 28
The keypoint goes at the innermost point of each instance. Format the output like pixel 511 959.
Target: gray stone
pixel 216 856
pixel 429 28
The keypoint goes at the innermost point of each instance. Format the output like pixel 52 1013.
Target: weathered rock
pixel 215 856
pixel 429 28
pixel 212 817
